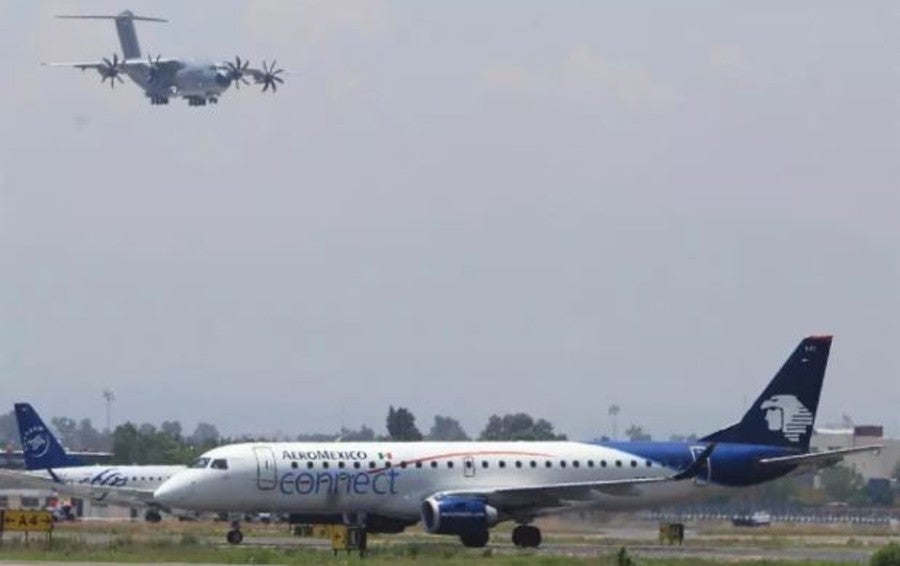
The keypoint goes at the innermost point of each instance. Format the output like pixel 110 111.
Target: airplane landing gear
pixel 475 540
pixel 526 536
pixel 152 516
pixel 196 101
pixel 155 99
pixel 235 536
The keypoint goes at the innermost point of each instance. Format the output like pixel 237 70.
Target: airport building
pixel 871 465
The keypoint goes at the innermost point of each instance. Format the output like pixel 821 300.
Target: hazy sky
pixel 459 207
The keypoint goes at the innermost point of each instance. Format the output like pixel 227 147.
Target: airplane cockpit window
pixel 219 464
pixel 199 463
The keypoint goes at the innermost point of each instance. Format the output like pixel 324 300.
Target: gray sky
pixel 464 208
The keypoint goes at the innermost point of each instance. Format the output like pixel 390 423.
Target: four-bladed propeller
pixel 270 77
pixel 236 71
pixel 110 70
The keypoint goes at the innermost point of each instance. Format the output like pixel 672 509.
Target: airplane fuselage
pixel 178 78
pixel 94 482
pixel 393 479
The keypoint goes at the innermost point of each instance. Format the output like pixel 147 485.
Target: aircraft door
pixel 704 477
pixel 265 467
pixel 469 466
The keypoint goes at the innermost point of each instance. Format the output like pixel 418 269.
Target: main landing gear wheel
pixel 526 536
pixel 475 540
pixel 235 536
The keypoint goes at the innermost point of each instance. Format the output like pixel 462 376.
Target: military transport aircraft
pixel 164 78
pixel 465 488
pixel 50 467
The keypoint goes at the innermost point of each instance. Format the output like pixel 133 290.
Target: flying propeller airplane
pixel 164 78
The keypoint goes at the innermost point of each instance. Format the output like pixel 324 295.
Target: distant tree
pixel 172 429
pixel 843 483
pixel 67 431
pixel 364 434
pixel 205 434
pixel 636 433
pixel 518 426
pixel 401 424
pixel 9 430
pixel 448 429
pixel 683 438
pixel 145 444
pixel 126 445
pixel 90 438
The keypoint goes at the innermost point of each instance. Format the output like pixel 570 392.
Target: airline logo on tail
pixel 36 441
pixel 787 414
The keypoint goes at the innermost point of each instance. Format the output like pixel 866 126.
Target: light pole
pixel 613 412
pixel 110 397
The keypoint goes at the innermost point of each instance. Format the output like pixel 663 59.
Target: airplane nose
pixel 174 491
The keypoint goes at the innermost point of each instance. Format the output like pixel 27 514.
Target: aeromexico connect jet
pixel 465 488
pixel 50 467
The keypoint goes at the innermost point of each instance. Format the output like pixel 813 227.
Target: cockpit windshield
pixel 199 463
pixel 219 464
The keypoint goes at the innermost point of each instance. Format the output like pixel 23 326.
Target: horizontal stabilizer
pixel 122 16
pixel 819 459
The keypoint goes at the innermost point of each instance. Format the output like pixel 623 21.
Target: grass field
pixel 189 550
pixel 203 542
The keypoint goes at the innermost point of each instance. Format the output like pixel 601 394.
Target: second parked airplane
pixel 465 488
pixel 50 467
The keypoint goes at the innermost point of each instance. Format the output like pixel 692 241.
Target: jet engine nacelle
pixel 457 515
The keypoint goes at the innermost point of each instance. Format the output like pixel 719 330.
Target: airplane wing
pixel 550 495
pixel 819 459
pixel 83 65
pixel 117 495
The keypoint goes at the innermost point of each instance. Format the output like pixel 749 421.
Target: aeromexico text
pixel 324 455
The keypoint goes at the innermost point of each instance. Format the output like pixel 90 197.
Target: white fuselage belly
pixel 392 479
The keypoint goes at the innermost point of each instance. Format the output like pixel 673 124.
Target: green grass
pixel 189 549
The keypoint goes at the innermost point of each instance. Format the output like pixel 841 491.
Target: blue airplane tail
pixel 784 413
pixel 39 446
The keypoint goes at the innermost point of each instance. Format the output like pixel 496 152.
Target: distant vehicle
pixel 50 467
pixel 161 78
pixel 757 519
pixel 465 488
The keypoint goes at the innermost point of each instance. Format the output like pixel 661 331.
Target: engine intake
pixel 457 515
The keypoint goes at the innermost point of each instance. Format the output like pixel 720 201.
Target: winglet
pixel 696 467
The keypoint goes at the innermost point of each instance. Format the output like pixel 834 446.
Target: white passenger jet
pixel 465 488
pixel 50 467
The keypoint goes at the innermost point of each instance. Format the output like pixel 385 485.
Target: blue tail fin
pixel 784 413
pixel 40 448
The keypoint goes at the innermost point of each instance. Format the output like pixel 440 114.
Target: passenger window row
pixel 325 464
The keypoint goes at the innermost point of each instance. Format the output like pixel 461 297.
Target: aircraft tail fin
pixel 39 446
pixel 131 49
pixel 784 414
